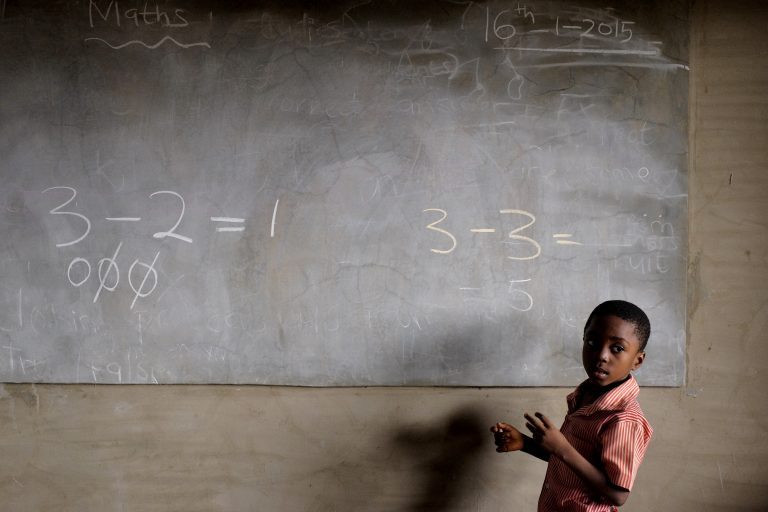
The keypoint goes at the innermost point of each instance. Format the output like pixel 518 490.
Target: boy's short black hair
pixel 627 312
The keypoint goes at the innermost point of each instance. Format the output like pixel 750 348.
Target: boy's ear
pixel 639 358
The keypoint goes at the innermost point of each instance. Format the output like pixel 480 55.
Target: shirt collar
pixel 614 400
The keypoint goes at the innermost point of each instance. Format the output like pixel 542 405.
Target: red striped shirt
pixel 612 434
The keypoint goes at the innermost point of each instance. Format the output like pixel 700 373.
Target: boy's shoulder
pixel 630 411
pixel 631 414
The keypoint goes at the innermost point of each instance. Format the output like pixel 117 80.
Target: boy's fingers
pixel 532 420
pixel 544 420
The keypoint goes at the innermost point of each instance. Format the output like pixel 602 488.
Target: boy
pixel 593 458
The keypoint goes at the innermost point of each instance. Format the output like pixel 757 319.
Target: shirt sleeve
pixel 623 447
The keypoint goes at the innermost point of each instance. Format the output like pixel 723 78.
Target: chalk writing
pixel 620 29
pixel 513 235
pixel 442 231
pixel 274 219
pixel 57 211
pixel 150 271
pixel 149 46
pixel 229 229
pixel 149 14
pixel 509 23
pixel 108 272
pixel 515 290
pixel 172 232
pixel 110 14
pixel 104 274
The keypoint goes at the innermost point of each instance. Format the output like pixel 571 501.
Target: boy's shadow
pixel 448 455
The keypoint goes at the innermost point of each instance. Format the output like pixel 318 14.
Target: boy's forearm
pixel 593 476
pixel 531 447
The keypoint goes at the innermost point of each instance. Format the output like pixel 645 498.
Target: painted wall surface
pixel 202 448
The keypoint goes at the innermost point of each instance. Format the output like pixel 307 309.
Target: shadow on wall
pixel 448 456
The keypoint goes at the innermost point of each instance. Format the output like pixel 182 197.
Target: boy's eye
pixel 589 343
pixel 616 349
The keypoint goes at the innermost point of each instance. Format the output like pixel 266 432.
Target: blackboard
pixel 351 194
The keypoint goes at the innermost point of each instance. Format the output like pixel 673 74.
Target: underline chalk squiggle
pixel 142 43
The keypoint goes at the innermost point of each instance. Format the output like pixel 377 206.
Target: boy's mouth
pixel 600 373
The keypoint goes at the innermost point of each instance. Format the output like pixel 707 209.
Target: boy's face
pixel 611 350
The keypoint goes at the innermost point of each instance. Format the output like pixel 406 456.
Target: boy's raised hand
pixel 546 433
pixel 506 437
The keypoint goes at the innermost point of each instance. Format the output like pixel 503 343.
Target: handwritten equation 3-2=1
pixel 107 269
